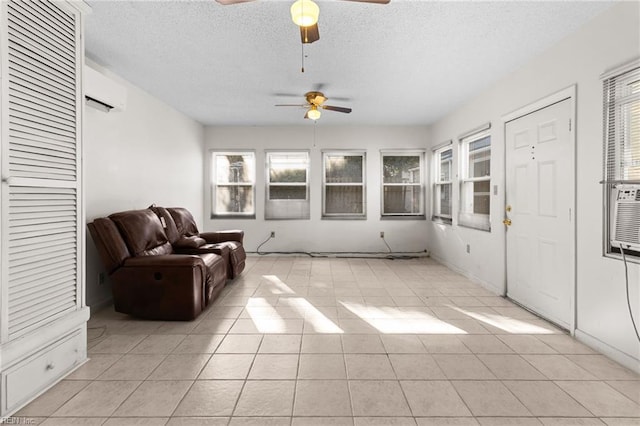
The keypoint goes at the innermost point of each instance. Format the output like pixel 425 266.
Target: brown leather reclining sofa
pixel 161 269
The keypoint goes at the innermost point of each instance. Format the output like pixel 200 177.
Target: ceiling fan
pixel 304 14
pixel 315 102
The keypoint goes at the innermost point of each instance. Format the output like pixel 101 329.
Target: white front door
pixel 539 204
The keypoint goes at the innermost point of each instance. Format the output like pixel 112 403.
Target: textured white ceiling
pixel 404 63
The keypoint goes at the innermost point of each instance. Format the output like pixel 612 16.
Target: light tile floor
pixel 300 341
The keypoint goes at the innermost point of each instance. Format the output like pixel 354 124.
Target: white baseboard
pixel 608 351
pixel 485 284
pixel 98 306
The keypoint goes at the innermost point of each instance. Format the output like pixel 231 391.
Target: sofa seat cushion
pixel 216 274
pixel 237 256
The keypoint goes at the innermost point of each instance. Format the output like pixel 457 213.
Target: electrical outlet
pixel 101 278
pixel 381 234
pixel 273 234
pixel 468 248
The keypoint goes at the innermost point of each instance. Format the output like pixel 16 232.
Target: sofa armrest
pixel 223 236
pixel 167 287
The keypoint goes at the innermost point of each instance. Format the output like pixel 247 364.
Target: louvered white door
pixel 41 185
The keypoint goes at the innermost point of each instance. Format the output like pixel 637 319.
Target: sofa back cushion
pixel 167 222
pixel 142 232
pixel 185 223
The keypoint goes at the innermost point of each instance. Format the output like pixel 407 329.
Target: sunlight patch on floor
pixel 312 316
pixel 395 321
pixel 508 324
pixel 264 316
pixel 277 285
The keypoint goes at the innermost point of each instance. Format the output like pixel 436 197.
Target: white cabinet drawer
pixel 26 379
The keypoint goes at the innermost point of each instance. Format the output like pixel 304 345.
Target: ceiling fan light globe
pixel 304 13
pixel 314 113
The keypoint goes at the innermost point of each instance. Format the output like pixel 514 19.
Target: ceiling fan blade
pixel 286 95
pixel 309 34
pixel 292 105
pixel 372 1
pixel 228 2
pixel 336 108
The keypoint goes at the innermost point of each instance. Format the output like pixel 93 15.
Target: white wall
pixel 317 234
pixel 149 153
pixel 609 40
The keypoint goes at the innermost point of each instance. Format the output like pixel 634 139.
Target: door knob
pixel 507 222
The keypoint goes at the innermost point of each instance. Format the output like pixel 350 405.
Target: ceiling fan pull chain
pixel 315 123
pixel 302 58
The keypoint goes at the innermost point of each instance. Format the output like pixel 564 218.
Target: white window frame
pixel 616 131
pixel 294 209
pixel 325 185
pixel 214 185
pixel 470 219
pixel 438 184
pixel 420 184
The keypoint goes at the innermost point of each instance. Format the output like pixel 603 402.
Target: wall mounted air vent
pixel 102 92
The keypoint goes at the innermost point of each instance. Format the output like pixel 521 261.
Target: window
pixel 287 185
pixel 343 185
pixel 475 184
pixel 402 191
pixel 622 140
pixel 233 184
pixel 443 166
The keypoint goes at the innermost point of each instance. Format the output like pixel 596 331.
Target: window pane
pixel 403 199
pixel 344 200
pixel 444 200
pixel 480 158
pixel 475 197
pixel 234 168
pixel 446 158
pixel 234 199
pixel 344 168
pixel 401 169
pixel 288 192
pixel 481 197
pixel 630 129
pixel 284 168
pixel 481 204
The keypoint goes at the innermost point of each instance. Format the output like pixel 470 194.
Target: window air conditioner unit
pixel 102 92
pixel 626 217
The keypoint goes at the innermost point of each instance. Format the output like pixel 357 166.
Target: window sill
pixel 344 218
pixel 441 220
pixel 232 216
pixel 403 217
pixel 476 228
pixel 631 256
